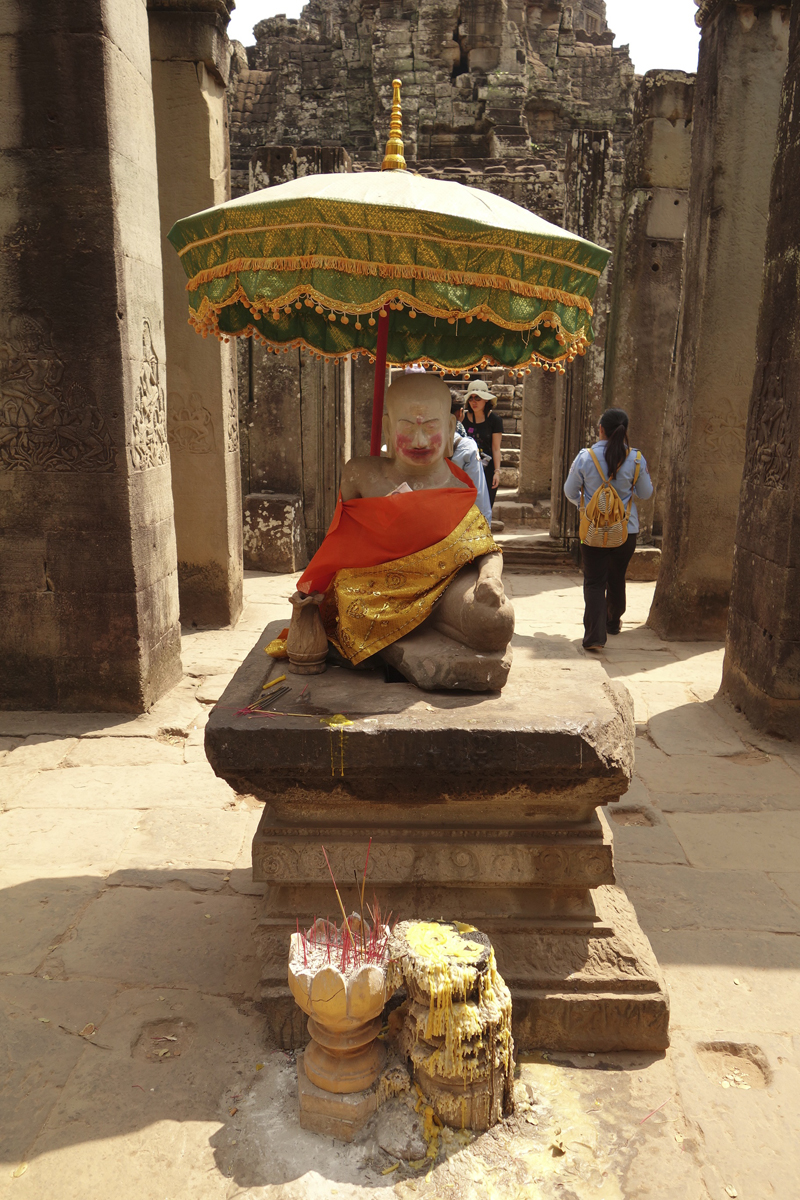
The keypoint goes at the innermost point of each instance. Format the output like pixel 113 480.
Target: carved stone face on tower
pixel 418 426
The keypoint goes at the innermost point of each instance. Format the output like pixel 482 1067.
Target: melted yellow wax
pixel 476 1034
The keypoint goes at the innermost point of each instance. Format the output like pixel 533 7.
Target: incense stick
pixel 338 897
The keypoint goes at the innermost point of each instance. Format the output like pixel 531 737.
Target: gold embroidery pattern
pixel 367 608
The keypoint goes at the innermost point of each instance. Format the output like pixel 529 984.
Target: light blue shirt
pixel 467 456
pixel 583 475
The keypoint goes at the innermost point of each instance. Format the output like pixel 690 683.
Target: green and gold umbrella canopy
pixel 468 279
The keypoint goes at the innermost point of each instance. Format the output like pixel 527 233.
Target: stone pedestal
pixel 274 533
pixel 647 275
pixel 743 52
pixel 339 1116
pixel 88 586
pixel 762 654
pixel 481 810
pixel 190 54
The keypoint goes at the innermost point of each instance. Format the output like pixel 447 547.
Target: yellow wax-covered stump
pixel 457 1021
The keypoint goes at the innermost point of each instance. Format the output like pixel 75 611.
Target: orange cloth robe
pixel 386 560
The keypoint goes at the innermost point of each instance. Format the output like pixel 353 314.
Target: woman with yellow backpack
pixel 602 481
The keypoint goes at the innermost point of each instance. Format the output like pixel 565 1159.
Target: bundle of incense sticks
pixel 372 941
pixel 263 705
pixel 340 948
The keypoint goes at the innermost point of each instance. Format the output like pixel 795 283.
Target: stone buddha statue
pixel 408 550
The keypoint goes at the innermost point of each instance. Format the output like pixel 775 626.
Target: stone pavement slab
pixel 789 883
pixel 37 913
pixel 748 1138
pixel 688 727
pixel 764 841
pixel 684 898
pixel 155 785
pixel 38 1056
pixel 124 752
pixel 12 783
pixel 643 835
pixel 39 751
pixel 138 1127
pixel 165 938
pixel 58 841
pixel 179 837
pixel 731 980
pixel 7 744
pixel 755 775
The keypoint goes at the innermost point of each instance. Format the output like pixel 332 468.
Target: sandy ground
pixel 127 906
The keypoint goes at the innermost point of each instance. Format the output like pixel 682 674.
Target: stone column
pixel 590 210
pixel 743 52
pixel 87 555
pixel 762 654
pixel 297 414
pixel 539 409
pixel 647 275
pixel 190 54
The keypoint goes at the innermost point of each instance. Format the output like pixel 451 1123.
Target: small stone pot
pixel 344 1013
pixel 307 642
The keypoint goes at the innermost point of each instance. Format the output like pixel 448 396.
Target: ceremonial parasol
pixel 470 279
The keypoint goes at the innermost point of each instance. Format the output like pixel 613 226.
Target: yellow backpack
pixel 604 520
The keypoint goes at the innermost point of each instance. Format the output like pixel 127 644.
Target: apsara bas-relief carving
pixel 190 426
pixel 769 455
pixel 148 445
pixel 725 436
pixel 45 426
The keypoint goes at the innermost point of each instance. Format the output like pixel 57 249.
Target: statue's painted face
pixel 419 426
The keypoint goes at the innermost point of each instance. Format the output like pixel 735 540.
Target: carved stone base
pixel 482 808
pixel 586 982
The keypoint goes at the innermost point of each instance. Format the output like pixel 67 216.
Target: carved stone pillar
pixel 540 402
pixel 297 414
pixel 743 52
pixel 190 55
pixel 590 210
pixel 88 584
pixel 647 276
pixel 762 654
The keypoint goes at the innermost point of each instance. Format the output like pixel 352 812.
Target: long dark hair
pixel 617 449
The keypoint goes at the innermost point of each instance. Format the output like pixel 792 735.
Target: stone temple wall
pixel 530 101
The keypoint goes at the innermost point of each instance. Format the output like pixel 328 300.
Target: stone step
pixel 512 440
pixel 515 512
pixel 534 552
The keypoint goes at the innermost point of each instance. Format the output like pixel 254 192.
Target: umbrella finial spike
pixel 394 159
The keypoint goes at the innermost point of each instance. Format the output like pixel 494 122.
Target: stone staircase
pixel 525 550
pixel 522 529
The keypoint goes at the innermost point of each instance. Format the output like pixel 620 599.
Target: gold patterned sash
pixel 367 608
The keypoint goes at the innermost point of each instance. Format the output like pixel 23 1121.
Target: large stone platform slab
pixel 481 808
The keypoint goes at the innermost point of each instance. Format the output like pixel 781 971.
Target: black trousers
pixel 488 471
pixel 604 588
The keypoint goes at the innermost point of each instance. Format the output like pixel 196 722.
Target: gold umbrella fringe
pixel 350 266
pixel 205 319
pixel 578 346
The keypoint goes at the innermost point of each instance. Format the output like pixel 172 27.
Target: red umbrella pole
pixel 380 384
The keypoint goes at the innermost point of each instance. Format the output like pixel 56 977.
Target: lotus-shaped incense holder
pixel 344 1008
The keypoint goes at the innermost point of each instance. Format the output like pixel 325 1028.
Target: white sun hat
pixel 479 388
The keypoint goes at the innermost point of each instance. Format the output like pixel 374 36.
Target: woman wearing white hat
pixel 486 427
